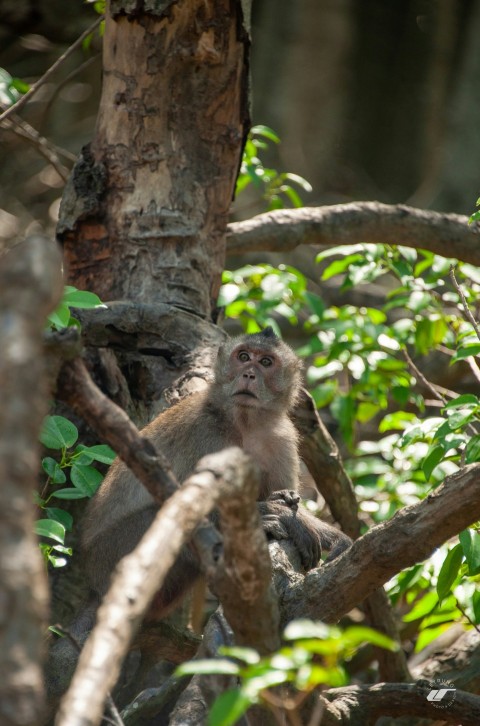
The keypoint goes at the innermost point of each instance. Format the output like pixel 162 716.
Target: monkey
pixel 256 383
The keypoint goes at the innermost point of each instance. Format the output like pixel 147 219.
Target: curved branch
pixel 138 577
pixel 358 705
pixel 409 537
pixel 282 230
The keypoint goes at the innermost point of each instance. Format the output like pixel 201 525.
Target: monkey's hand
pixel 280 521
pixel 289 497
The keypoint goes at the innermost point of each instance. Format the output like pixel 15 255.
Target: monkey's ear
pixel 269 332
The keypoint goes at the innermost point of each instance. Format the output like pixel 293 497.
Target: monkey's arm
pixel 283 520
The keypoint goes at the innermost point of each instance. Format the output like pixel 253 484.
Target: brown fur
pixel 257 379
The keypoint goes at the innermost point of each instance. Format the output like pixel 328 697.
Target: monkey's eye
pixel 266 362
pixel 243 356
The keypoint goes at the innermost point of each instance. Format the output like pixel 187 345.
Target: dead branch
pixel 30 287
pixel 283 230
pixel 112 424
pixel 360 705
pixel 243 582
pixel 322 458
pixel 138 577
pixel 408 537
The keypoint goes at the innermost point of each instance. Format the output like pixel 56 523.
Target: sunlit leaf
pixel 449 571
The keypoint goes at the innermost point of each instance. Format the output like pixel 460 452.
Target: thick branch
pixel 243 584
pixel 138 577
pixel 76 388
pixel 323 459
pixel 282 230
pixel 30 287
pixel 360 705
pixel 409 537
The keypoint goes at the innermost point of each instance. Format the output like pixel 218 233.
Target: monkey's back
pixel 184 433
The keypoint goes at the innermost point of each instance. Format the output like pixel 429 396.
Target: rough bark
pixel 449 235
pixel 30 287
pixel 324 462
pixel 144 214
pixel 360 705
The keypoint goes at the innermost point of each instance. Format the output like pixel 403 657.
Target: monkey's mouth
pixel 245 393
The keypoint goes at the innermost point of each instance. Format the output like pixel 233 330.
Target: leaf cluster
pixel 74 462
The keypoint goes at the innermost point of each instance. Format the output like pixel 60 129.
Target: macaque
pixel 256 382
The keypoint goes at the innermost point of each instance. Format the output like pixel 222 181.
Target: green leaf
pixel 100 452
pixel 476 605
pixel 266 131
pixel 432 459
pixel 80 298
pixel 338 266
pixel 466 351
pixel 60 515
pixel 423 607
pixel 304 628
pixel 458 418
pixel 472 450
pixel 463 400
pixel 397 420
pixel 470 541
pixel 217 666
pixel 69 493
pixel 86 479
pixel 449 571
pixel 51 529
pixel 315 303
pixel 53 470
pixel 58 433
pixel 359 634
pixel 247 655
pixel 366 411
pixel 228 708
pixel 474 218
pixel 60 317
pixel 342 250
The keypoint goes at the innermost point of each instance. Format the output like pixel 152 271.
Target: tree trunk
pixel 143 216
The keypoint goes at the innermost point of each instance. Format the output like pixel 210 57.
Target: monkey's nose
pixel 250 375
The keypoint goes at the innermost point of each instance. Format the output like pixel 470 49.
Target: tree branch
pixel 322 457
pixel 138 577
pixel 18 105
pixel 409 537
pixel 283 230
pixel 112 425
pixel 360 705
pixel 30 287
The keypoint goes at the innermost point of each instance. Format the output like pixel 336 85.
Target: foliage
pixel 313 658
pixel 61 317
pixel 10 88
pixel 61 435
pixel 275 188
pixel 403 433
pixel 476 215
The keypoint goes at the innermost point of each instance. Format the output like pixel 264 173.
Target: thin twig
pixel 466 616
pixel 418 374
pixel 18 105
pixel 76 71
pixel 49 151
pixel 467 310
pixel 474 367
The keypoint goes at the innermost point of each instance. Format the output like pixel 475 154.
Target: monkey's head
pixel 257 371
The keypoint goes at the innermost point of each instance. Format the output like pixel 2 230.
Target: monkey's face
pixel 256 374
